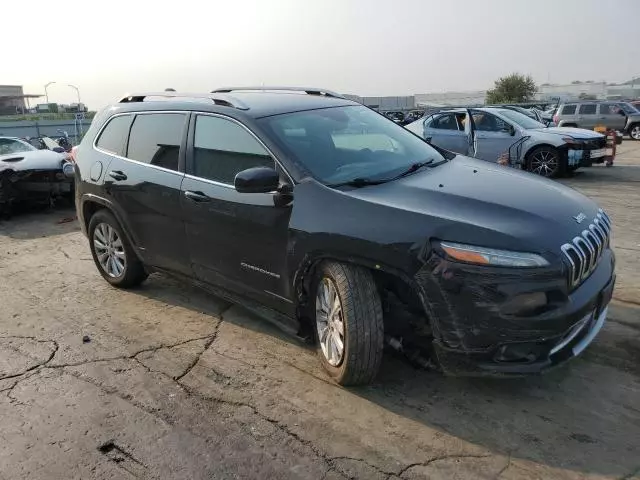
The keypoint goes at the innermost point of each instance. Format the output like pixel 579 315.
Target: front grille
pixel 596 143
pixel 584 251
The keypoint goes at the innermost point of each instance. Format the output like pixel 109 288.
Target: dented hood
pixel 32 160
pixel 472 201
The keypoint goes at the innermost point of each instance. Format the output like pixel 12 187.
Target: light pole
pixel 78 117
pixel 45 91
pixel 77 92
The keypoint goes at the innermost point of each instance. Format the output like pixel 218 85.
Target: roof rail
pixel 222 100
pixel 307 90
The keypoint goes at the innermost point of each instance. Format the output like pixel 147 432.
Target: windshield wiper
pixel 357 182
pixel 412 169
pixel 365 182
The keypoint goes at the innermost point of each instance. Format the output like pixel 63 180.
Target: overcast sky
pixel 367 47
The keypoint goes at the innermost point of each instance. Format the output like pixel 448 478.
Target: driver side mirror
pixel 257 180
pixel 510 129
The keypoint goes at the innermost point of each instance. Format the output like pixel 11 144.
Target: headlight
pixel 491 256
pixel 570 141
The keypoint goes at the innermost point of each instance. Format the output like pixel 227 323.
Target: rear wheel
pixel 112 253
pixel 545 161
pixel 349 326
pixel 634 131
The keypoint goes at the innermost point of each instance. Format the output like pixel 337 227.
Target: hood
pixel 472 201
pixel 32 160
pixel 570 132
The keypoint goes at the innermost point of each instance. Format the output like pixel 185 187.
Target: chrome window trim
pixel 133 114
pixel 233 120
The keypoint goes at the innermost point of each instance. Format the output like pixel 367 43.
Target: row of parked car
pixel 529 138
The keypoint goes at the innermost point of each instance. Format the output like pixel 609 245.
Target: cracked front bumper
pixel 474 335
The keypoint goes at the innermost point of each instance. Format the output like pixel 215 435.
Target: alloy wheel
pixel 109 250
pixel 330 322
pixel 544 162
pixel 635 132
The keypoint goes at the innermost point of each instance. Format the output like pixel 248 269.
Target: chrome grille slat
pixel 585 250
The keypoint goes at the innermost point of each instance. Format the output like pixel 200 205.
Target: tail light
pixel 555 119
pixel 72 154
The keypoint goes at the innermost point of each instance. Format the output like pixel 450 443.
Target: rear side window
pixel 155 139
pixel 114 135
pixel 587 109
pixel 445 122
pixel 568 110
pixel 223 148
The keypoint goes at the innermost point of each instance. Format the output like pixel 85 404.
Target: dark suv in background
pixel 334 222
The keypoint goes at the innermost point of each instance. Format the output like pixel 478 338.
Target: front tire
pixel 112 253
pixel 349 325
pixel 545 161
pixel 634 131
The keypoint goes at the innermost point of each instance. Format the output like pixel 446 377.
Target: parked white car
pixel 31 175
pixel 491 134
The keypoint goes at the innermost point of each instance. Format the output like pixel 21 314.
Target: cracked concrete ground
pixel 174 383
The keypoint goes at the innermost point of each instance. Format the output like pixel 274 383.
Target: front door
pixel 144 180
pixel 613 116
pixel 236 240
pixel 492 136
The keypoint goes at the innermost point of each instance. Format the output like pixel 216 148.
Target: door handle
pixel 117 175
pixel 197 196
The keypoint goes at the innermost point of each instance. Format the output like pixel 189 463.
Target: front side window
pixel 486 122
pixel 114 136
pixel 343 143
pixel 223 148
pixel 9 146
pixel 590 109
pixel 155 139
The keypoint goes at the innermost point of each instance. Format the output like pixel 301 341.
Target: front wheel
pixel 349 326
pixel 545 161
pixel 634 131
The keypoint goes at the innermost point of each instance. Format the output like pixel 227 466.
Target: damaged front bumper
pixel 477 330
pixel 587 152
pixel 33 186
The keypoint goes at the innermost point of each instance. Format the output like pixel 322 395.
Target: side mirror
pixel 58 149
pixel 257 180
pixel 68 170
pixel 510 129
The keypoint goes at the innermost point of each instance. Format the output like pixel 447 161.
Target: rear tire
pixel 349 327
pixel 546 162
pixel 112 253
pixel 634 131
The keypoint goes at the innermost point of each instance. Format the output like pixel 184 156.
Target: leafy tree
pixel 514 88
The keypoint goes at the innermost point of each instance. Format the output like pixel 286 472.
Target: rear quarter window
pixel 114 135
pixel 568 110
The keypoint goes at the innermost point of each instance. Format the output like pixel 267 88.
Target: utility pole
pixel 45 91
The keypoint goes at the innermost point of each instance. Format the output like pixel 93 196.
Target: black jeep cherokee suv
pixel 336 223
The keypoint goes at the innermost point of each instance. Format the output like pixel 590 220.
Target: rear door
pixel 587 117
pixel 236 240
pixel 144 182
pixel 447 130
pixel 492 135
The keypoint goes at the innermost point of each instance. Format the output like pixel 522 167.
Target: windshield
pixel 344 143
pixel 520 119
pixel 628 108
pixel 9 146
